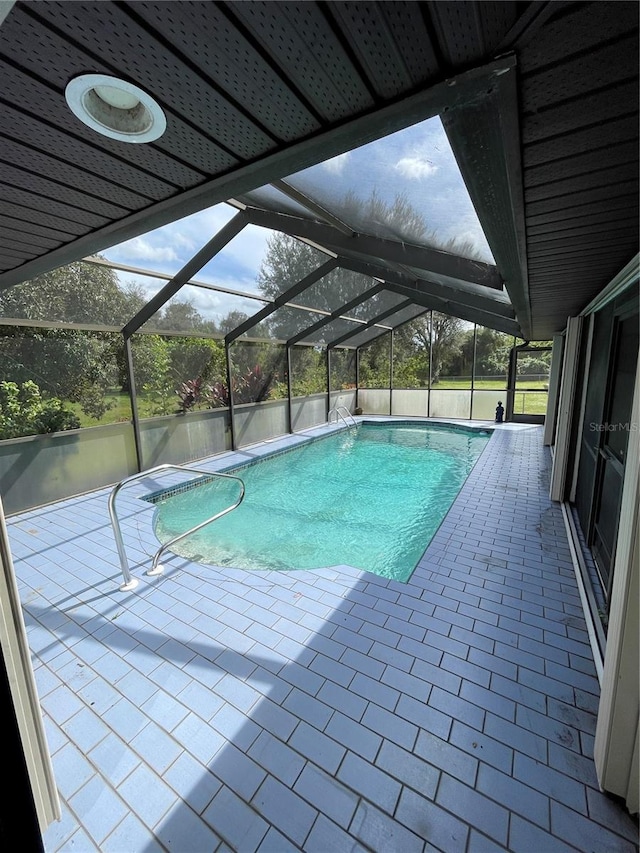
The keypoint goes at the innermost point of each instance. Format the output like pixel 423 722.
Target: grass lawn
pixel 535 401
pixel 120 411
pixel 531 402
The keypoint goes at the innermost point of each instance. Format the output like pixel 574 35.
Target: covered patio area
pixel 220 224
pixel 327 710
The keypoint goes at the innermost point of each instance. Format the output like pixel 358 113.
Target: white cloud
pixel 210 304
pixel 248 248
pixel 416 167
pixel 145 250
pixel 337 165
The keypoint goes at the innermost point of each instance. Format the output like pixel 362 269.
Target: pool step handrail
pixel 338 410
pixel 156 569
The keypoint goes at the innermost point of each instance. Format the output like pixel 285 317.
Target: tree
pixel 288 261
pixel 492 352
pixel 374 363
pixel 445 336
pixel 436 336
pixel 396 219
pixel 77 293
pixel 68 363
pixel 231 321
pixel 179 316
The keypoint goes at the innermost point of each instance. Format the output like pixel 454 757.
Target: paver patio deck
pixel 322 711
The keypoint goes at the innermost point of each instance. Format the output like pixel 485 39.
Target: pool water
pixel 370 497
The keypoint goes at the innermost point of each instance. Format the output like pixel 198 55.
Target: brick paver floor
pixel 322 711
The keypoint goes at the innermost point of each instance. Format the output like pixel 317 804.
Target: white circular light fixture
pixel 115 108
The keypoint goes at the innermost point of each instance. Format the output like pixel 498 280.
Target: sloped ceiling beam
pixel 215 245
pixel 492 173
pixel 312 206
pixel 432 289
pixel 281 300
pixel 379 318
pixel 335 315
pixel 472 315
pixel 394 251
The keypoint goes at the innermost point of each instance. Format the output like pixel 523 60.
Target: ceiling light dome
pixel 115 108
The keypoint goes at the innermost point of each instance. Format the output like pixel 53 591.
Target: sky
pixel 416 162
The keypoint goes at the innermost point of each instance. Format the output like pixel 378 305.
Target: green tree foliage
pixel 66 363
pixel 257 368
pixel 173 371
pixel 182 316
pixel 77 293
pixel 374 363
pixel 445 341
pixel 492 352
pixel 433 335
pixel 289 261
pixel 23 411
pixel 343 369
pixel 85 368
pixel 532 363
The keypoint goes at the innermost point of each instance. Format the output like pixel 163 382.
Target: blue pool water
pixel 371 498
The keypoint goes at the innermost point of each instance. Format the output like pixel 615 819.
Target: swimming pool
pixel 370 497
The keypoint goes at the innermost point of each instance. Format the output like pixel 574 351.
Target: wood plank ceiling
pixel 254 91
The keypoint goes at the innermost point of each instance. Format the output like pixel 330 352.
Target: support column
pixel 289 415
pixel 473 368
pixel 553 397
pixel 565 409
pixel 232 428
pixel 511 384
pixel 430 362
pixel 133 397
pixel 26 756
pixel 328 382
pixel 391 372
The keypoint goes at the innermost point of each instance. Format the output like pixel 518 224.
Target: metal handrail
pixel 338 412
pixel 129 581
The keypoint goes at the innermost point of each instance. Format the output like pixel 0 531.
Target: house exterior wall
pixel 581 448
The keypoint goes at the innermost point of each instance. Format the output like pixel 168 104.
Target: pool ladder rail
pixel 338 410
pixel 156 569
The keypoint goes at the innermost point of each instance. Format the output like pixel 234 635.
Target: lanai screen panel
pixel 334 290
pixel 308 371
pixel 343 369
pixel 284 323
pixel 271 198
pixel 314 303
pixel 379 304
pixel 405 186
pixel 202 310
pixel 372 332
pixel 286 262
pixel 80 294
pixel 168 248
pixel 258 371
pixel 332 330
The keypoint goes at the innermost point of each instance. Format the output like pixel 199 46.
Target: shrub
pixel 24 412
